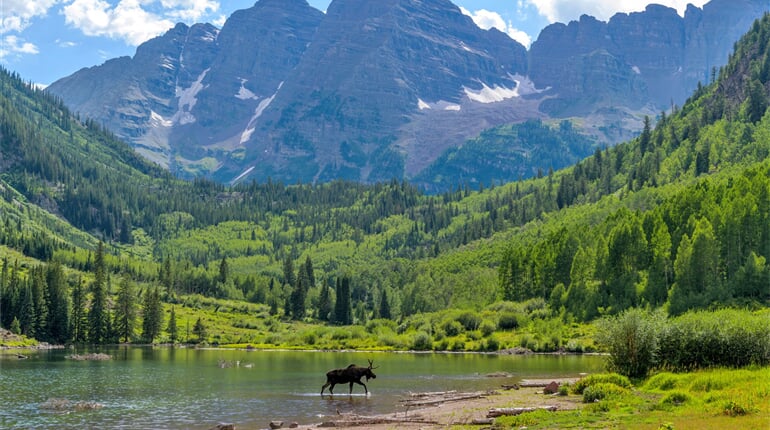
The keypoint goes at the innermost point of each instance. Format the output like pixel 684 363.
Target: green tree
pixel 152 315
pixel 98 315
pixel 343 311
pixel 325 303
pixel 79 322
pixel 58 305
pixel 696 270
pixel 199 330
pixel 171 329
pixel 385 305
pixel 125 310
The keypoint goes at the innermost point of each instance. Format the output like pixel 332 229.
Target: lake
pixel 157 387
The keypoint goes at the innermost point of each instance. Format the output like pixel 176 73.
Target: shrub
pixel 600 378
pixel 601 391
pixel 487 328
pixel 508 321
pixel 662 381
pixel 631 340
pixel 469 320
pixel 452 328
pixel 675 398
pixel 491 344
pixel 422 342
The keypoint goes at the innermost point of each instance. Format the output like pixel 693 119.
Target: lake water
pixel 164 388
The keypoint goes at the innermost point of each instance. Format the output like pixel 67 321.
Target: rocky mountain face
pixel 377 89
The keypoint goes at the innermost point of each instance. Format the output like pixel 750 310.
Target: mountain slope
pixel 374 90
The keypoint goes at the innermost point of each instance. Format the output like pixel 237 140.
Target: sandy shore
pixel 447 411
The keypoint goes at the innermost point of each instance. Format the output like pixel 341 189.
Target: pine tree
pixel 98 315
pixel 171 329
pixel 384 305
pixel 78 323
pixel 40 303
pixel 58 305
pixel 297 299
pixel 343 312
pixel 125 311
pixel 199 330
pixel 325 303
pixel 152 314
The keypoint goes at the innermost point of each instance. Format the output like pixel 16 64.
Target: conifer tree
pixel 152 314
pixel 58 305
pixel 78 323
pixel 125 311
pixel 171 329
pixel 98 315
pixel 343 312
pixel 384 305
pixel 325 303
pixel 199 330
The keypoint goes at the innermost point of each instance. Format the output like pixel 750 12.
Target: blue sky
pixel 44 40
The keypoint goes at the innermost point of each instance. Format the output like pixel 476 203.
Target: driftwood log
pixel 430 399
pixel 358 420
pixel 499 412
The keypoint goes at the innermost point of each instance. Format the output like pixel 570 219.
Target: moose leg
pixel 366 391
pixel 327 385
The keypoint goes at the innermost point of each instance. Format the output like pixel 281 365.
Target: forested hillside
pixel 678 218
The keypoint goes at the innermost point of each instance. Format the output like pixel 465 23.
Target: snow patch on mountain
pixel 239 177
pixel 491 95
pixel 244 93
pixel 439 105
pixel 187 100
pixel 246 135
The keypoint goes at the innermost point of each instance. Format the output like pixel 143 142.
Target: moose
pixel 351 374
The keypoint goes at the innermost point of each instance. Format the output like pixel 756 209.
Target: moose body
pixel 351 374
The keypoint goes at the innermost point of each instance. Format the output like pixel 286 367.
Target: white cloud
pixel 189 10
pixel 15 15
pixel 568 10
pixel 487 19
pixel 11 44
pixel 127 21
pixel 134 21
pixel 65 43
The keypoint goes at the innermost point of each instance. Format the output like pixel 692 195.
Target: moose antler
pixel 371 363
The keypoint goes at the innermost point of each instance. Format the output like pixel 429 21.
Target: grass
pixel 708 399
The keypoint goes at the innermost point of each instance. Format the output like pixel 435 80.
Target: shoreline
pixel 456 409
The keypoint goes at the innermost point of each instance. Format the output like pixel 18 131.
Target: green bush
pixel 508 321
pixel 600 378
pixel 452 328
pixel 422 342
pixel 487 328
pixel 675 398
pixel 469 320
pixel 631 340
pixel 601 391
pixel 662 381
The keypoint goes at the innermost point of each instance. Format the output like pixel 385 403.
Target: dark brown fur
pixel 351 374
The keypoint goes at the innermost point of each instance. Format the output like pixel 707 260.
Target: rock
pixel 293 425
pixel 551 388
pixel 328 424
pixel 276 425
pixel 223 427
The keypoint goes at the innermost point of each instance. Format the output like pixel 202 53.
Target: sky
pixel 44 40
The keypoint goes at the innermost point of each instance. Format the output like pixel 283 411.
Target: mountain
pixel 380 89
